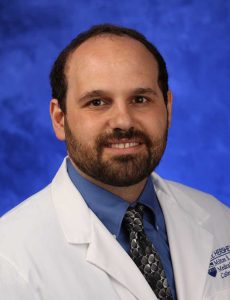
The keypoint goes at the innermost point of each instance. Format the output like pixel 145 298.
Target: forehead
pixel 111 63
pixel 110 50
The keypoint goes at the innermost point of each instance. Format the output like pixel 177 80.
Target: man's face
pixel 116 120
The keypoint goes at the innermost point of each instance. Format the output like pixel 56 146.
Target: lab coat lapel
pixel 107 254
pixel 190 243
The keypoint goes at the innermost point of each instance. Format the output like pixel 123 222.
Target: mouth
pixel 124 145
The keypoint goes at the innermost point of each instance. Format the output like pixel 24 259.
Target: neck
pixel 127 193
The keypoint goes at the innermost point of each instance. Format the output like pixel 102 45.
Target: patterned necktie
pixel 144 254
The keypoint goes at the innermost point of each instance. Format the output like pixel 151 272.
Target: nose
pixel 121 118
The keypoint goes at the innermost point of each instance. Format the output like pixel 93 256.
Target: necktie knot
pixel 133 218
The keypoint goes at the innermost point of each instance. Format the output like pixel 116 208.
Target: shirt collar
pixel 110 208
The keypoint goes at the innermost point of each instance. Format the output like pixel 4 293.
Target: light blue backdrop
pixel 194 38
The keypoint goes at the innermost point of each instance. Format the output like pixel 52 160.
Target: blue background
pixel 194 38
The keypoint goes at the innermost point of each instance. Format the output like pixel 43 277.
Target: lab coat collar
pixel 72 212
pixel 190 243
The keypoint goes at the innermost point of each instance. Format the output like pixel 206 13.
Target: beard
pixel 119 170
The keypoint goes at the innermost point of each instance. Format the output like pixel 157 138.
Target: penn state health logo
pixel 220 263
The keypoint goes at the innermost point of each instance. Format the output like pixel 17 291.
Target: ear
pixel 169 107
pixel 57 117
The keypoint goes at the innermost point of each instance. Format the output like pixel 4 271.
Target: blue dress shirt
pixel 110 209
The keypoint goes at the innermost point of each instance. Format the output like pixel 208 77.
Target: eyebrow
pixel 100 93
pixel 144 91
pixel 92 94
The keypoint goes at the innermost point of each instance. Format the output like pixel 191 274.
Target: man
pixel 106 228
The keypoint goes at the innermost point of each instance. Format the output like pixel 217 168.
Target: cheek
pixel 86 129
pixel 155 124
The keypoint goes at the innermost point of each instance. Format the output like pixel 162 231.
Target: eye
pixel 96 102
pixel 139 99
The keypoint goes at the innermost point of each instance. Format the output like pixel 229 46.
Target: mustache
pixel 119 134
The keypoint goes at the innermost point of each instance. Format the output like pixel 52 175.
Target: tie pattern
pixel 144 254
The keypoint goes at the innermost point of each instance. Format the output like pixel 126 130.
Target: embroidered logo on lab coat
pixel 220 262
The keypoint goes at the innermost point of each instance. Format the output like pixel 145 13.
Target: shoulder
pixel 20 223
pixel 189 198
pixel 28 207
pixel 35 209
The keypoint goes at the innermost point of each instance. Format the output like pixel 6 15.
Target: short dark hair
pixel 58 79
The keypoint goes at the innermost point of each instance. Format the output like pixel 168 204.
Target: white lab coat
pixel 53 247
